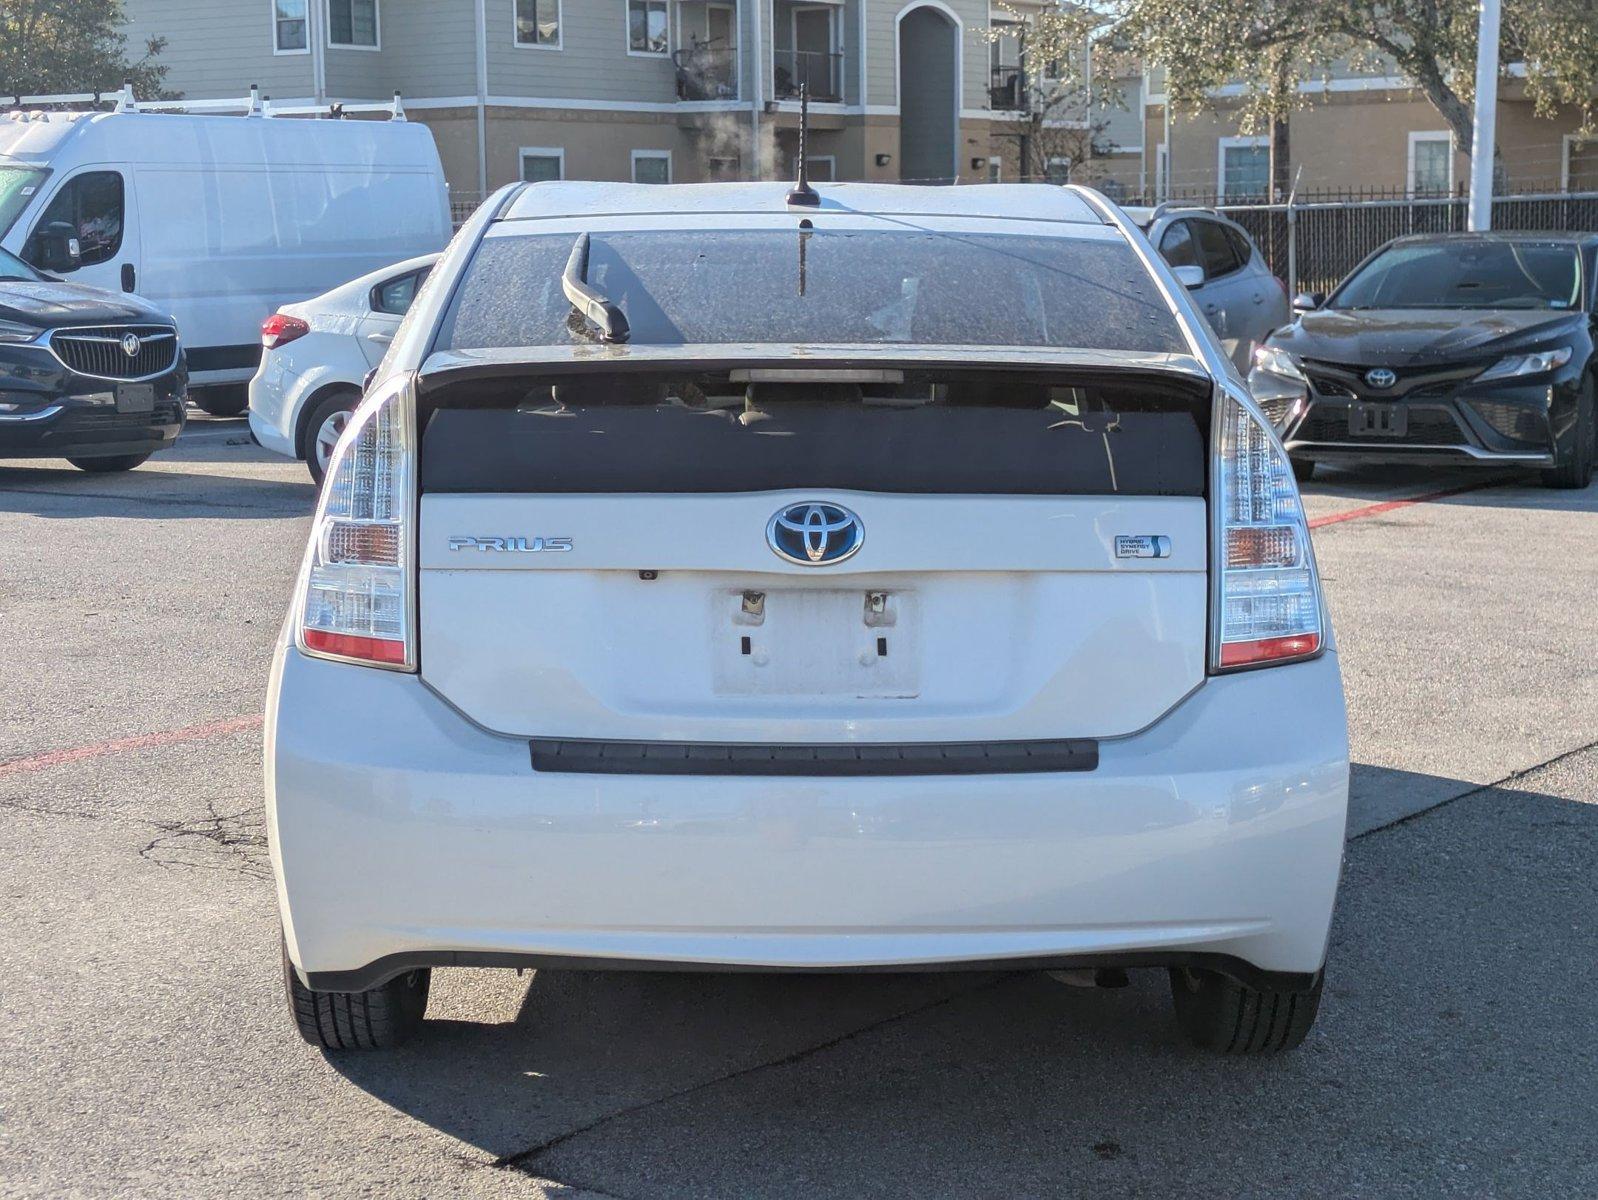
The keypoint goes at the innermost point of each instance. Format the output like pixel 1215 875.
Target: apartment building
pixel 649 90
pixel 687 90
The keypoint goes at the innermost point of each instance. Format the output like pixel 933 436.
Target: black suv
pixel 1448 348
pixel 91 376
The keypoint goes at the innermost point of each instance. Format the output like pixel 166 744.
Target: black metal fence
pixel 1316 244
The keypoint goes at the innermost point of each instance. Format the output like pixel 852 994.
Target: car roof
pixel 1574 237
pixel 1006 201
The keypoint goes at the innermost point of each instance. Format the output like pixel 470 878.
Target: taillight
pixel 1267 594
pixel 356 599
pixel 280 329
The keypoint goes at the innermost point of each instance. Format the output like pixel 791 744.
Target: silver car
pixel 1223 269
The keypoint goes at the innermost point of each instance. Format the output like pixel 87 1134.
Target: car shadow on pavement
pixel 1454 1056
pixel 162 495
pixel 1491 487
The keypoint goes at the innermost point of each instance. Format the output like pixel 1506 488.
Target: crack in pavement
pixel 520 1160
pixel 221 841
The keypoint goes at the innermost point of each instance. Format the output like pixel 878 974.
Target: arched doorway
pixel 929 94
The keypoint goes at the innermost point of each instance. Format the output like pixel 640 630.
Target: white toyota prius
pixel 720 577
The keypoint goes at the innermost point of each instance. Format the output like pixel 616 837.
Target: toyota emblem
pixel 814 534
pixel 1381 378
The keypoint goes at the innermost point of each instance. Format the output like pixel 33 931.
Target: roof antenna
pixel 803 194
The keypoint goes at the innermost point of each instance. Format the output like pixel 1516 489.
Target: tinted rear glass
pixel 964 431
pixel 823 287
pixel 1466 275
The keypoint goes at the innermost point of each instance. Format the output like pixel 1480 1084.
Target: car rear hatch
pixel 618 546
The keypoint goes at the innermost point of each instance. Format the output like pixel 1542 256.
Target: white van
pixel 218 220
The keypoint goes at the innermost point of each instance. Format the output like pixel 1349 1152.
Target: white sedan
pixel 316 355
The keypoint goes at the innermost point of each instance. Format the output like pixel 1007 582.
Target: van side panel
pixel 239 215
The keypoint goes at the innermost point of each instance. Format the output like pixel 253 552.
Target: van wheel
pixel 379 1019
pixel 1576 462
pixel 1303 469
pixel 227 401
pixel 322 430
pixel 1219 1014
pixel 111 462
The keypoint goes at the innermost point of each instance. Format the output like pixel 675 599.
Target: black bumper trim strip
pixel 373 974
pixel 560 756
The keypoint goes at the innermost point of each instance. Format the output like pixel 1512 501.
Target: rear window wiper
pixel 587 301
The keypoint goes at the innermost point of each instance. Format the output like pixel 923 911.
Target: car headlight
pixel 1526 364
pixel 1277 361
pixel 11 331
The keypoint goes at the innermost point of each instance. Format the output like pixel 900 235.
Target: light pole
pixel 1485 135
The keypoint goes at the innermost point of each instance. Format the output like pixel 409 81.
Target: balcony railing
pixel 1007 90
pixel 707 73
pixel 822 73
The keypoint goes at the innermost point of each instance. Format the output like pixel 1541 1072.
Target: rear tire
pixel 381 1018
pixel 322 427
pixel 1576 463
pixel 1217 1013
pixel 111 462
pixel 1303 469
pixel 222 401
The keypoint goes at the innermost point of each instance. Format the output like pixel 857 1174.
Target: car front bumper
pixel 51 411
pixel 404 835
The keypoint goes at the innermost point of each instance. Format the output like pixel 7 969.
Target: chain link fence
pixel 1314 245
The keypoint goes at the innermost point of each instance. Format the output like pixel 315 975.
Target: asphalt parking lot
pixel 144 1049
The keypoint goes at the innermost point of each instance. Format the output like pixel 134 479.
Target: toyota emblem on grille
pixel 131 344
pixel 815 534
pixel 1380 378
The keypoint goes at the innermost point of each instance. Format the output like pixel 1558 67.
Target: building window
pixel 543 164
pixel 820 168
pixel 1057 170
pixel 1581 164
pixel 538 23
pixel 648 27
pixel 352 23
pixel 289 33
pixel 651 166
pixel 1431 164
pixel 995 170
pixel 1245 168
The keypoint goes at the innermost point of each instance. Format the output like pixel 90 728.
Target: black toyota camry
pixel 1457 348
pixel 95 377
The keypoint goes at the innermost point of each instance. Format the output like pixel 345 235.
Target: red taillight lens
pixel 280 329
pixel 1268 606
pixel 356 598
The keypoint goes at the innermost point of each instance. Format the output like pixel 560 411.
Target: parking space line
pixel 143 741
pixel 1386 506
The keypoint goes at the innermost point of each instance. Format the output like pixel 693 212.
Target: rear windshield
pixel 1507 274
pixel 911 287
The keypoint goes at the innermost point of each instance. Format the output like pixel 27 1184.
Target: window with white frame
pixel 1245 168
pixel 1057 170
pixel 352 23
pixel 543 164
pixel 1431 163
pixel 290 34
pixel 1581 164
pixel 651 166
pixel 648 27
pixel 995 170
pixel 538 23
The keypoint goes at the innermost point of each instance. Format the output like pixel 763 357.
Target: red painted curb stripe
pixel 144 741
pixel 1374 510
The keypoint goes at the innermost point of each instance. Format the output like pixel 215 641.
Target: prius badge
pixel 511 545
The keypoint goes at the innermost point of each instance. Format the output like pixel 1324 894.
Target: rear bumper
pixel 413 837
